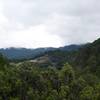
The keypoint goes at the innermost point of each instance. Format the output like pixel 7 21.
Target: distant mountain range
pixel 23 53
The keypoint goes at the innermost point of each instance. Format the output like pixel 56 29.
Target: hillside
pixel 49 77
pixel 55 75
pixel 89 55
pixel 86 55
pixel 23 53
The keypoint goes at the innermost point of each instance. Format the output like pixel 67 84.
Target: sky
pixel 48 23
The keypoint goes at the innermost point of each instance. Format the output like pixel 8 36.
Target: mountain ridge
pixel 24 53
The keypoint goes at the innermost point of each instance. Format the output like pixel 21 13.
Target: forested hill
pixel 89 55
pixel 23 53
pixel 86 55
pixel 77 80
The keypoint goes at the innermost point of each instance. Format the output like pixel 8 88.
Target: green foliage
pixel 3 62
pixel 67 74
pixel 87 93
pixel 29 81
pixel 64 92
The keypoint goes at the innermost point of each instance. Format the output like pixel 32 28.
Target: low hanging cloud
pixel 42 23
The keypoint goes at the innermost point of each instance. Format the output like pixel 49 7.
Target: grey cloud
pixel 75 21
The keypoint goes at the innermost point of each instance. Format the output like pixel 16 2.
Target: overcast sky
pixel 48 23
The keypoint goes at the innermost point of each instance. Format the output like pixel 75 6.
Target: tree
pixel 64 92
pixel 87 93
pixel 67 74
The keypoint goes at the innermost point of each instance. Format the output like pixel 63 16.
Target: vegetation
pixel 72 81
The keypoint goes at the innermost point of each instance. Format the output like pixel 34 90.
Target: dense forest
pixel 55 75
